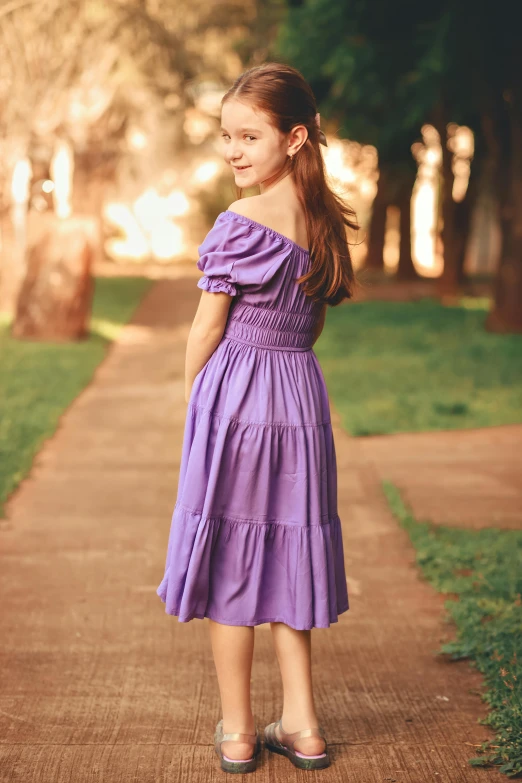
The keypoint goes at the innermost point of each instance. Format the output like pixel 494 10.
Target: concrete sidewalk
pixel 98 683
pixel 464 478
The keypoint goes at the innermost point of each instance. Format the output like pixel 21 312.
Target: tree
pixel 365 80
pixel 113 62
pixel 385 69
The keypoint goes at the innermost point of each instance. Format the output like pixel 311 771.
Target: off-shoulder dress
pixel 255 534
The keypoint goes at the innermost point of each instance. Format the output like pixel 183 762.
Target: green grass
pixel 417 366
pixel 39 380
pixel 482 569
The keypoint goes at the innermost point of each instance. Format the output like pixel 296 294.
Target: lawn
pixel 39 380
pixel 417 366
pixel 481 570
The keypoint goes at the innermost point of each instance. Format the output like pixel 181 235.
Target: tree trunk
pixel 11 269
pixel 463 215
pixel 405 270
pixel 506 313
pixel 377 227
pixel 448 282
pixel 56 295
pixel 88 194
pixel 13 219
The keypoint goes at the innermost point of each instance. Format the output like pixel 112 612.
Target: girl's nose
pixel 232 153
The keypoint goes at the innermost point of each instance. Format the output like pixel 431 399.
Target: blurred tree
pixel 490 74
pixel 48 93
pixel 360 59
pixel 383 70
pixel 477 82
pixel 78 73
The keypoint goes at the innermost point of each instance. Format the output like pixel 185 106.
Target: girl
pixel 255 535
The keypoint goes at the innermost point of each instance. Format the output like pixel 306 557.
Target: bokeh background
pixel 110 116
pixel 111 173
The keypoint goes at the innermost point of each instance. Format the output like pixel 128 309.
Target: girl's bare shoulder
pixel 281 218
pixel 253 207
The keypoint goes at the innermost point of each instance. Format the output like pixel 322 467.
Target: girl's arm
pixel 205 333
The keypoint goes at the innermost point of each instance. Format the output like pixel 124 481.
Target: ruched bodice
pixel 269 328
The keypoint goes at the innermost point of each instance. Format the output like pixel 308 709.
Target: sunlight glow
pixel 462 143
pixel 21 180
pixel 147 227
pixel 206 172
pixel 352 167
pixel 352 173
pixel 134 245
pixel 61 169
pixel 137 140
pixel 426 253
pixel 428 155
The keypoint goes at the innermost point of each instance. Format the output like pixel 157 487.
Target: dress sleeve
pixel 218 254
pixel 236 254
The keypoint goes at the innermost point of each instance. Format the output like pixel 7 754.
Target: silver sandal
pixel 286 747
pixel 237 765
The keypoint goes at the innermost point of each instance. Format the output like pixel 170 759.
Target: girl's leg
pixel 233 650
pixel 294 654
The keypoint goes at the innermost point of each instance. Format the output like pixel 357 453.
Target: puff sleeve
pixel 218 254
pixel 237 253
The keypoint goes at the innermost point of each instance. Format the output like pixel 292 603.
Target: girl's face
pixel 254 149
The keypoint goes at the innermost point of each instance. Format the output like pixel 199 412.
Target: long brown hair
pixel 286 97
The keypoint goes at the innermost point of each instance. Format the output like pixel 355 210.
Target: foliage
pixel 118 67
pixel 417 366
pixel 482 570
pixel 373 66
pixel 39 380
pixel 383 68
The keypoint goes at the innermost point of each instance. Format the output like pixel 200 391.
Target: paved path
pixel 463 478
pixel 99 684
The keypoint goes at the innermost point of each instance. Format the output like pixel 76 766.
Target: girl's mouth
pixel 241 168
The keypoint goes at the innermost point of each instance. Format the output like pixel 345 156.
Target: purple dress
pixel 255 534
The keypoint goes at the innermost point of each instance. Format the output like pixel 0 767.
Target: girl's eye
pixel 247 136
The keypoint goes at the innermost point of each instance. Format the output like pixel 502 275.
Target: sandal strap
pixel 235 736
pixel 238 737
pixel 290 739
